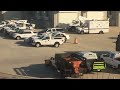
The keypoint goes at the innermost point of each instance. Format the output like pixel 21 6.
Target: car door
pixel 27 34
pixel 111 59
pixel 107 59
pixel 46 41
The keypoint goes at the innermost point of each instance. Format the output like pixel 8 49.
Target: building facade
pixel 44 19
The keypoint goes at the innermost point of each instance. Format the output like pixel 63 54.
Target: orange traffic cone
pixel 76 41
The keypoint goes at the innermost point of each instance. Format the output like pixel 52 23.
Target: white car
pixel 60 34
pixel 23 34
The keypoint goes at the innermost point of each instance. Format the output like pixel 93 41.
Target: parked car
pixel 60 34
pixel 113 59
pixel 92 61
pixel 23 34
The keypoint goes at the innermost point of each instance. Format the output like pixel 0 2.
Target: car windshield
pixel 77 56
pixel 54 34
pixel 44 30
pixel 40 37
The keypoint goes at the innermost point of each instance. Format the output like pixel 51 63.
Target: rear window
pixel 27 32
pixel 106 55
pixel 59 30
pixel 57 38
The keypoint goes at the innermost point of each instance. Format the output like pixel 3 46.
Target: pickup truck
pixel 92 61
pixel 48 40
pixel 112 58
pixel 55 34
pixel 23 34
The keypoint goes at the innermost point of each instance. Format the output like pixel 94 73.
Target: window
pixel 48 30
pixel 57 38
pixel 58 35
pixel 53 30
pixel 27 32
pixel 47 37
pixel 20 25
pixel 112 55
pixel 106 55
pixel 61 30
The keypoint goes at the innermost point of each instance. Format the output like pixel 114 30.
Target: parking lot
pixel 17 58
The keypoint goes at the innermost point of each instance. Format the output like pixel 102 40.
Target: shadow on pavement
pixel 21 43
pixel 112 37
pixel 37 70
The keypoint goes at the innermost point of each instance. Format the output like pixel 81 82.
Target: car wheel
pixel 65 40
pixel 101 32
pixel 37 44
pixel 82 32
pixel 56 45
pixel 18 37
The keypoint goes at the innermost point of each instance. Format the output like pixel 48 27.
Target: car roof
pixel 84 52
pixel 54 28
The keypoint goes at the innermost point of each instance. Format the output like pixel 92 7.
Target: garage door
pixel 67 17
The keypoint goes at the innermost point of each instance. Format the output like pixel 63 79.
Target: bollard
pixel 75 41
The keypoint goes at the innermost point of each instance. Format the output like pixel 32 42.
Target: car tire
pixel 37 45
pixel 101 32
pixel 56 45
pixel 18 37
pixel 82 32
pixel 65 40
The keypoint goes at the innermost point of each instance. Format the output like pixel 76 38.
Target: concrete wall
pixel 65 17
pixel 7 15
pixel 99 15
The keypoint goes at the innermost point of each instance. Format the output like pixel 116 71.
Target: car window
pixel 40 37
pixel 48 30
pixel 27 32
pixel 58 35
pixel 59 30
pixel 112 55
pixel 47 37
pixel 61 35
pixel 106 55
pixel 53 30
pixel 78 57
